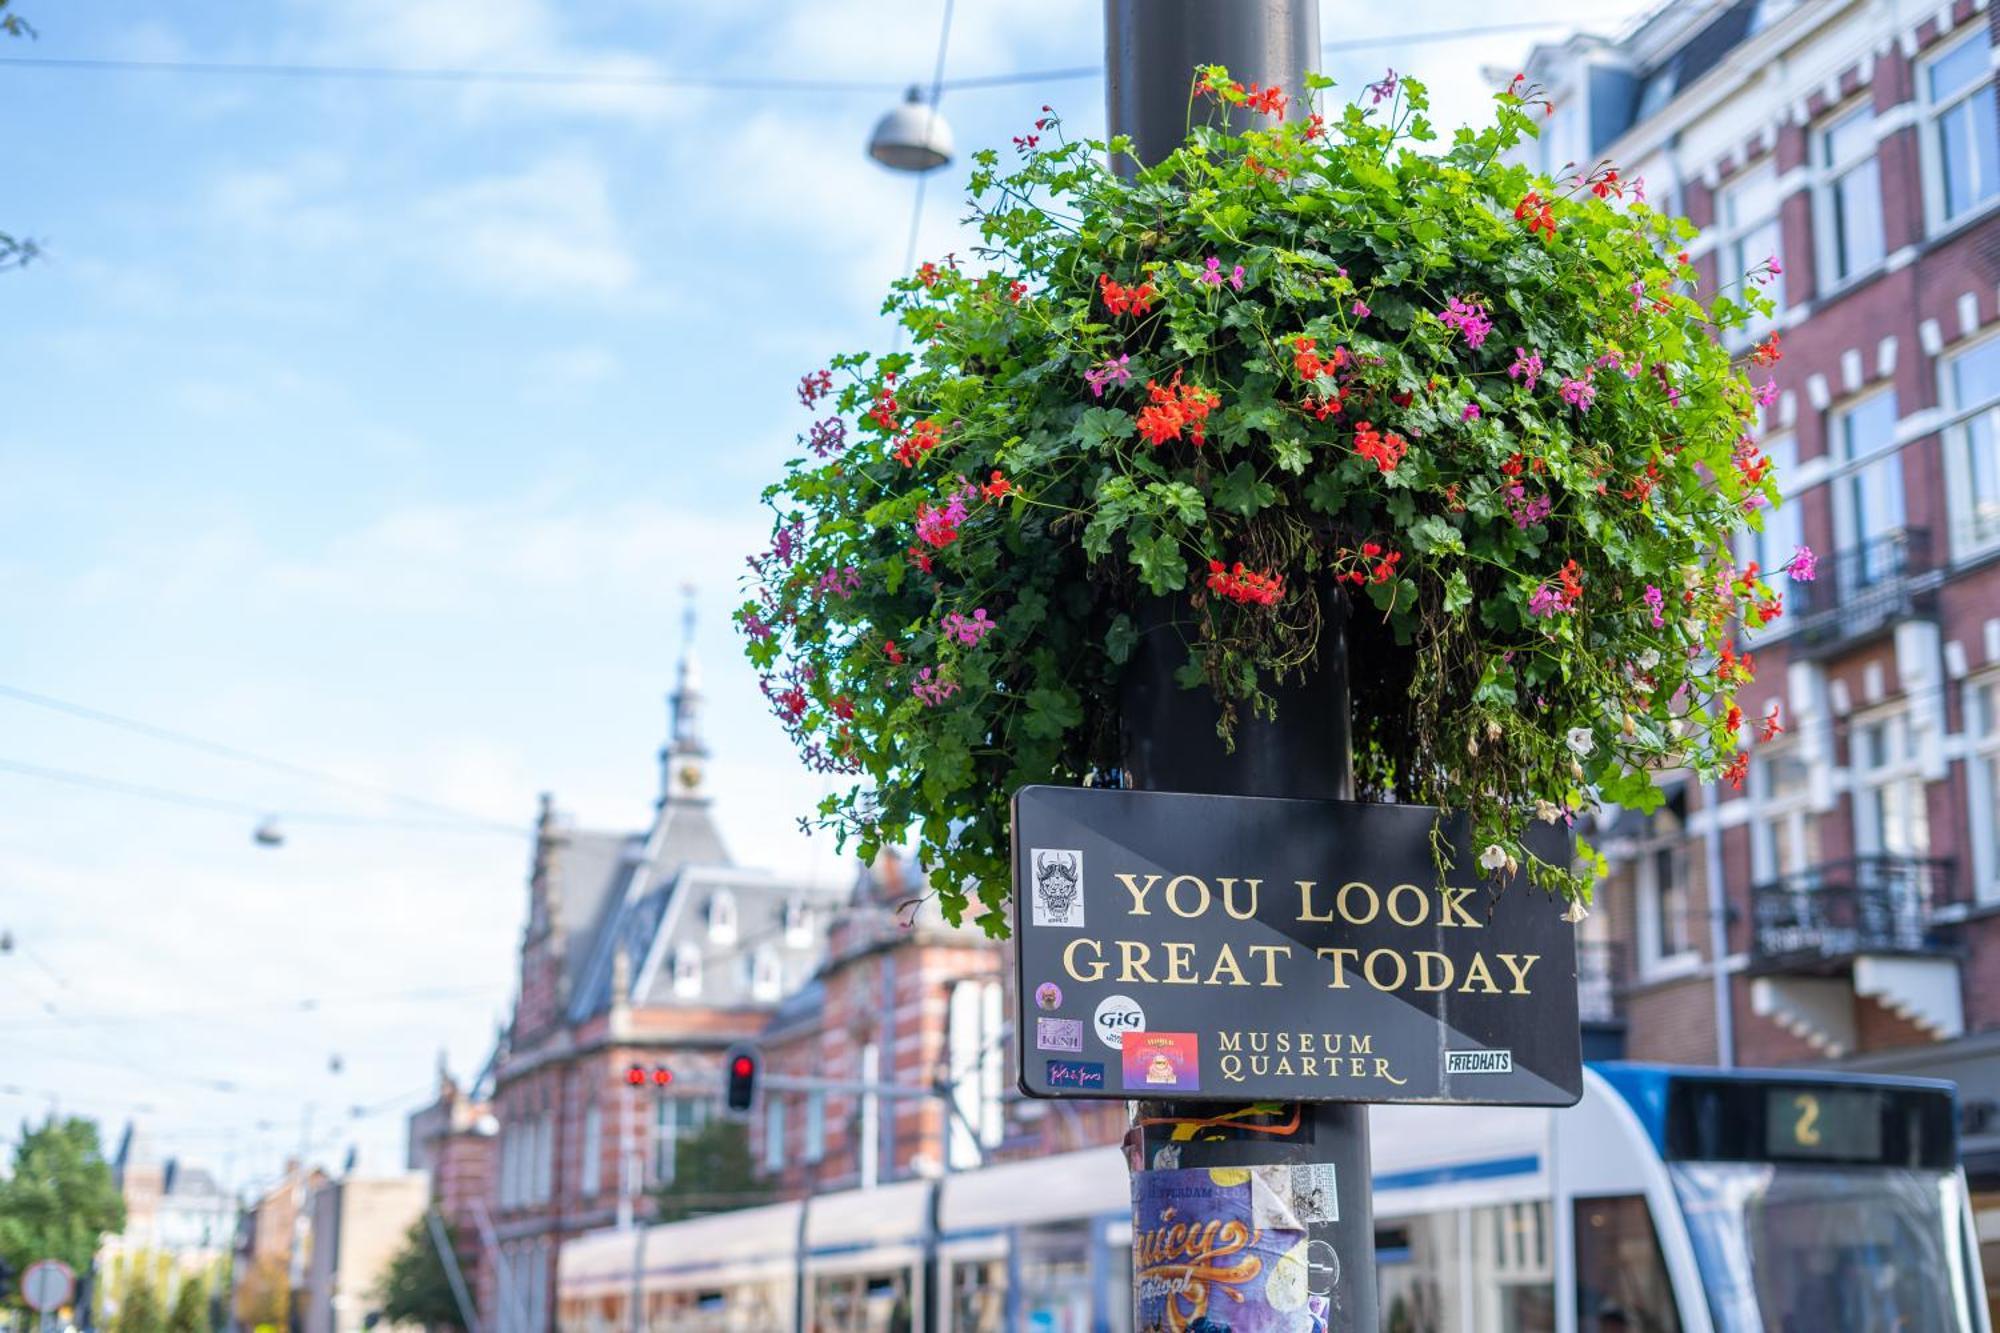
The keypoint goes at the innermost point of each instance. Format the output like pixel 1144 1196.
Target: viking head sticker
pixel 1058 888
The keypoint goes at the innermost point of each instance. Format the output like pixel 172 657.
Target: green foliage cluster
pixel 416 1287
pixel 713 1173
pixel 58 1198
pixel 1293 362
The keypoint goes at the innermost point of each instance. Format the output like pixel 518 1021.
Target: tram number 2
pixel 1805 1129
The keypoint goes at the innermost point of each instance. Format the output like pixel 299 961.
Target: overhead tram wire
pixel 220 806
pixel 693 82
pixel 238 754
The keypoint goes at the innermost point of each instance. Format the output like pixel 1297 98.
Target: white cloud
pixel 551 230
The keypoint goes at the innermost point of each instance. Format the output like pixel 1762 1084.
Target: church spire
pixel 683 769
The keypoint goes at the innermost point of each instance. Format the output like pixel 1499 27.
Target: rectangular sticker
pixel 1162 1062
pixel 1059 1034
pixel 1316 1192
pixel 1076 1074
pixel 1058 887
pixel 1478 1062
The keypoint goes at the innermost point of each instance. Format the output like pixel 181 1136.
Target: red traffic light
pixel 743 1066
pixel 739 1092
pixel 635 1076
pixel 662 1075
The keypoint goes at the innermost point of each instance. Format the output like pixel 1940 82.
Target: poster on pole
pixel 1233 949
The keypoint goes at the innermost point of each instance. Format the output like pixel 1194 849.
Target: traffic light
pixel 740 1077
pixel 638 1076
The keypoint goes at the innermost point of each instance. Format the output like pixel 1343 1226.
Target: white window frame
pixel 591 1170
pixel 815 1144
pixel 687 969
pixel 1904 765
pixel 774 1133
pixel 1851 468
pixel 1967 542
pixel 1827 175
pixel 1933 159
pixel 1794 809
pixel 1982 765
pixel 722 917
pixel 1733 262
pixel 767 973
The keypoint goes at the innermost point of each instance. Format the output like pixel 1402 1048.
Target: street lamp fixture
pixel 912 136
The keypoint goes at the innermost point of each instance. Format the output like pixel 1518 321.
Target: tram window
pixel 1621 1280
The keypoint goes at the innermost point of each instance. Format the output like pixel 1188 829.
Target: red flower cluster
pixel 1310 364
pixel 1266 101
pixel 1732 667
pixel 1606 183
pixel 1769 727
pixel 893 653
pixel 1642 488
pixel 923 437
pixel 929 273
pixel 1767 353
pixel 1246 587
pixel 1121 300
pixel 1570 579
pixel 1539 216
pixel 1738 769
pixel 998 488
pixel 1376 565
pixel 1025 142
pixel 1176 406
pixel 1016 290
pixel 1384 451
pixel 815 386
pixel 1322 408
pixel 886 413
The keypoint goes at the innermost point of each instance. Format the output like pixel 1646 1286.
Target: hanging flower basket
pixel 1488 408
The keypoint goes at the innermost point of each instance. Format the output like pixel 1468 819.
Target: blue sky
pixel 376 426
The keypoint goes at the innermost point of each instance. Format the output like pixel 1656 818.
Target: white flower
pixel 1547 811
pixel 1649 659
pixel 1576 913
pixel 1580 741
pixel 1494 857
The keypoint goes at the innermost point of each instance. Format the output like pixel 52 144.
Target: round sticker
pixel 1048 995
pixel 1229 1175
pixel 1116 1016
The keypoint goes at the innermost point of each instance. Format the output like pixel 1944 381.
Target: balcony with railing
pixel 1843 909
pixel 1600 998
pixel 1863 590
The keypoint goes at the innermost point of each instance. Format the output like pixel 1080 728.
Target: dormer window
pixel 722 917
pixel 798 925
pixel 687 970
pixel 767 974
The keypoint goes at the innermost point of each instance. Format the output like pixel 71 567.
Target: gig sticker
pixel 1059 1034
pixel 1162 1062
pixel 1116 1016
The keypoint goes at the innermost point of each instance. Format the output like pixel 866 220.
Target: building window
pixel 687 969
pixel 767 974
pixel 1851 194
pixel 1666 905
pixel 1982 723
pixel 1868 509
pixel 674 1119
pixel 815 1126
pixel 1890 815
pixel 592 1172
pixel 976 1056
pixel 722 917
pixel 1748 215
pixel 774 1133
pixel 1972 447
pixel 798 925
pixel 1965 126
pixel 1784 832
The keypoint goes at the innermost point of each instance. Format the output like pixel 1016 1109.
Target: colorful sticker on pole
pixel 1220 1251
pixel 1162 1062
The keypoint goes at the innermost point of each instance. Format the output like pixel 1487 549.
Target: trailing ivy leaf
pixel 1434 533
pixel 1162 568
pixel 1242 491
pixel 1051 712
pixel 1098 427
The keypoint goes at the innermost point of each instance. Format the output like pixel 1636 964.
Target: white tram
pixel 1667 1201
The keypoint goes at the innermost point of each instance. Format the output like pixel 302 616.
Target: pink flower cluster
pixel 1546 602
pixel 1579 394
pixel 814 387
pixel 969 630
pixel 1656 602
pixel 1804 566
pixel 1525 512
pixel 1527 368
pixel 932 691
pixel 828 437
pixel 1469 318
pixel 843 582
pixel 1111 370
pixel 1211 274
pixel 937 525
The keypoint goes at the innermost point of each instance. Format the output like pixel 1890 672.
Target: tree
pixel 139 1306
pixel 416 1287
pixel 58 1200
pixel 713 1173
pixel 264 1295
pixel 190 1309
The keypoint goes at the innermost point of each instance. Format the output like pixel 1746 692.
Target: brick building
pixel 652 948
pixel 1859 867
pixel 454 1141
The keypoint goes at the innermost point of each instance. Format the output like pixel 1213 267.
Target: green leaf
pixel 1243 492
pixel 1162 568
pixel 1457 592
pixel 1121 639
pixel 1099 427
pixel 1051 712
pixel 1434 533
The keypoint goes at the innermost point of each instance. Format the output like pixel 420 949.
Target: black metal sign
pixel 1227 948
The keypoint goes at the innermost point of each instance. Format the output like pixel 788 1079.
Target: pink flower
pixel 843 582
pixel 1546 602
pixel 938 526
pixel 932 691
pixel 1656 602
pixel 828 437
pixel 1525 512
pixel 1112 370
pixel 1382 90
pixel 1361 310
pixel 1639 188
pixel 968 630
pixel 1470 412
pixel 1766 393
pixel 1211 275
pixel 1527 367
pixel 1579 394
pixel 1469 318
pixel 1236 277
pixel 1804 566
